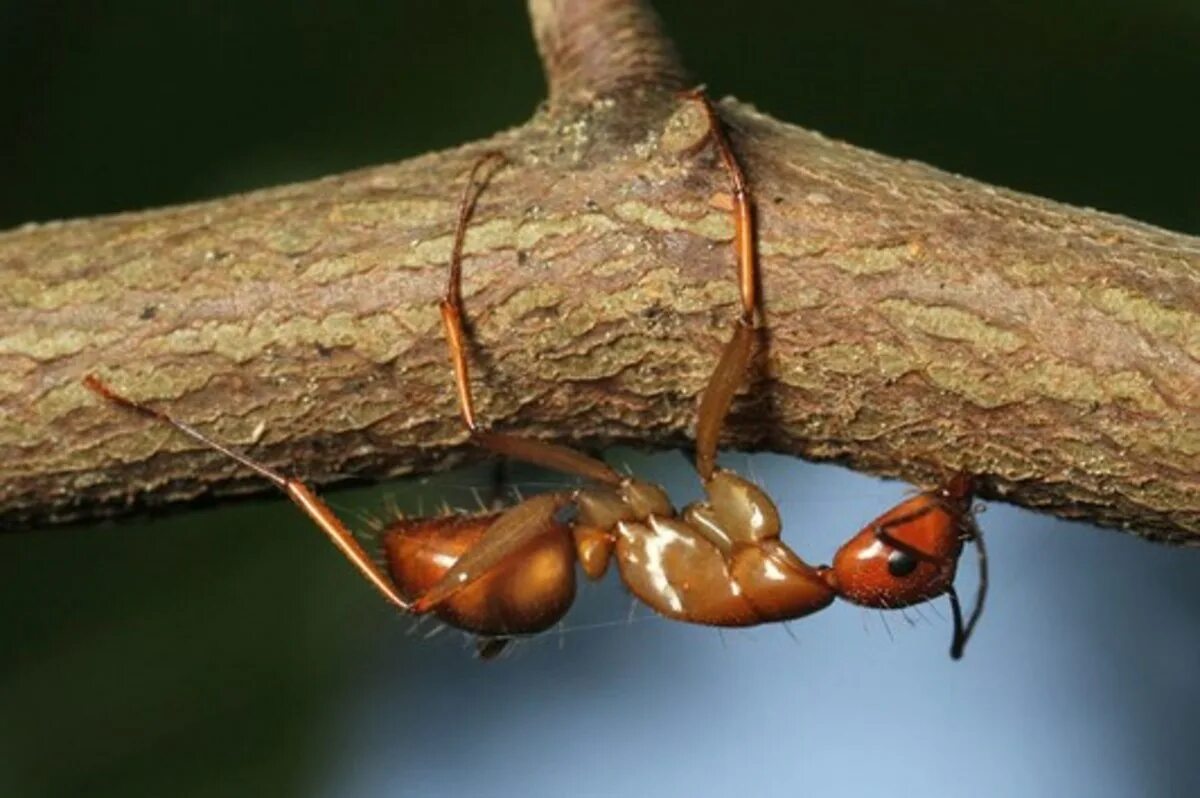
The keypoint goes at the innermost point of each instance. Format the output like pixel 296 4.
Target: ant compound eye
pixel 901 563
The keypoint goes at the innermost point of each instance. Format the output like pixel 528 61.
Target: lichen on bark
pixel 918 322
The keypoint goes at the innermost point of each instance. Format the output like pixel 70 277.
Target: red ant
pixel 719 562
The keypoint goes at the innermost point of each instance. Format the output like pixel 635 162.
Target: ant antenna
pixel 963 633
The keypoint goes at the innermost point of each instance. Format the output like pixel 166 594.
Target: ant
pixel 719 562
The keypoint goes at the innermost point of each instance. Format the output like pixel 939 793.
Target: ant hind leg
pixel 297 491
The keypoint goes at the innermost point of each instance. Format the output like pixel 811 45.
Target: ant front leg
pixel 297 491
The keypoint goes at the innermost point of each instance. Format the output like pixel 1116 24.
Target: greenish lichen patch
pixel 1179 326
pixel 951 324
pixel 1181 442
pixel 1176 447
pixel 530 234
pixel 685 128
pixel 235 341
pixel 801 298
pixel 714 226
pixel 664 287
pixel 330 270
pixel 1184 440
pixel 525 301
pixel 45 345
pixel 257 267
pixel 373 337
pixel 55 403
pixel 153 382
pixel 35 294
pixel 848 359
pixel 147 274
pixel 797 248
pixel 871 261
pixel 393 211
pixel 293 239
pixel 892 361
pixel 13 373
pixel 656 288
pixel 416 320
pixel 484 237
pixel 1044 379
pixel 980 386
pixel 1070 383
pixel 615 267
pixel 1033 273
pixel 852 360
pixel 609 358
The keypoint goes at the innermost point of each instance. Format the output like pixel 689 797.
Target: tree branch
pixel 602 48
pixel 919 322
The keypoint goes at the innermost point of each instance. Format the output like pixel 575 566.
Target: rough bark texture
pixel 918 322
pixel 602 48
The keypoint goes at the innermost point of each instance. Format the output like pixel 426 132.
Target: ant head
pixel 906 556
pixel 910 554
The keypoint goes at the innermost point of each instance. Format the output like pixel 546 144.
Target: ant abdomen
pixel 527 592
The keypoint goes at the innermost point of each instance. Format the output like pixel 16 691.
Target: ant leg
pixel 513 529
pixel 730 371
pixel 297 491
pixel 547 455
pixel 534 516
pixel 743 205
pixel 975 535
pixel 959 641
pixel 726 378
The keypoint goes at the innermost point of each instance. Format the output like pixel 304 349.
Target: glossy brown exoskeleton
pixel 718 562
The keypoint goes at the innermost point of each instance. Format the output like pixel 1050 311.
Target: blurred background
pixel 225 651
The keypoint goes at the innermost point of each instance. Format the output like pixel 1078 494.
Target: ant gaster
pixel 719 562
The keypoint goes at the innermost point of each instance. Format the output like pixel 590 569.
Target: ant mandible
pixel 719 562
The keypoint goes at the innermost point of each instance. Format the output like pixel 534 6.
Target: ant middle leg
pixel 502 543
pixel 547 455
pixel 730 371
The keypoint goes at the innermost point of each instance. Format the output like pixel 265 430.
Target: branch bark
pixel 918 321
